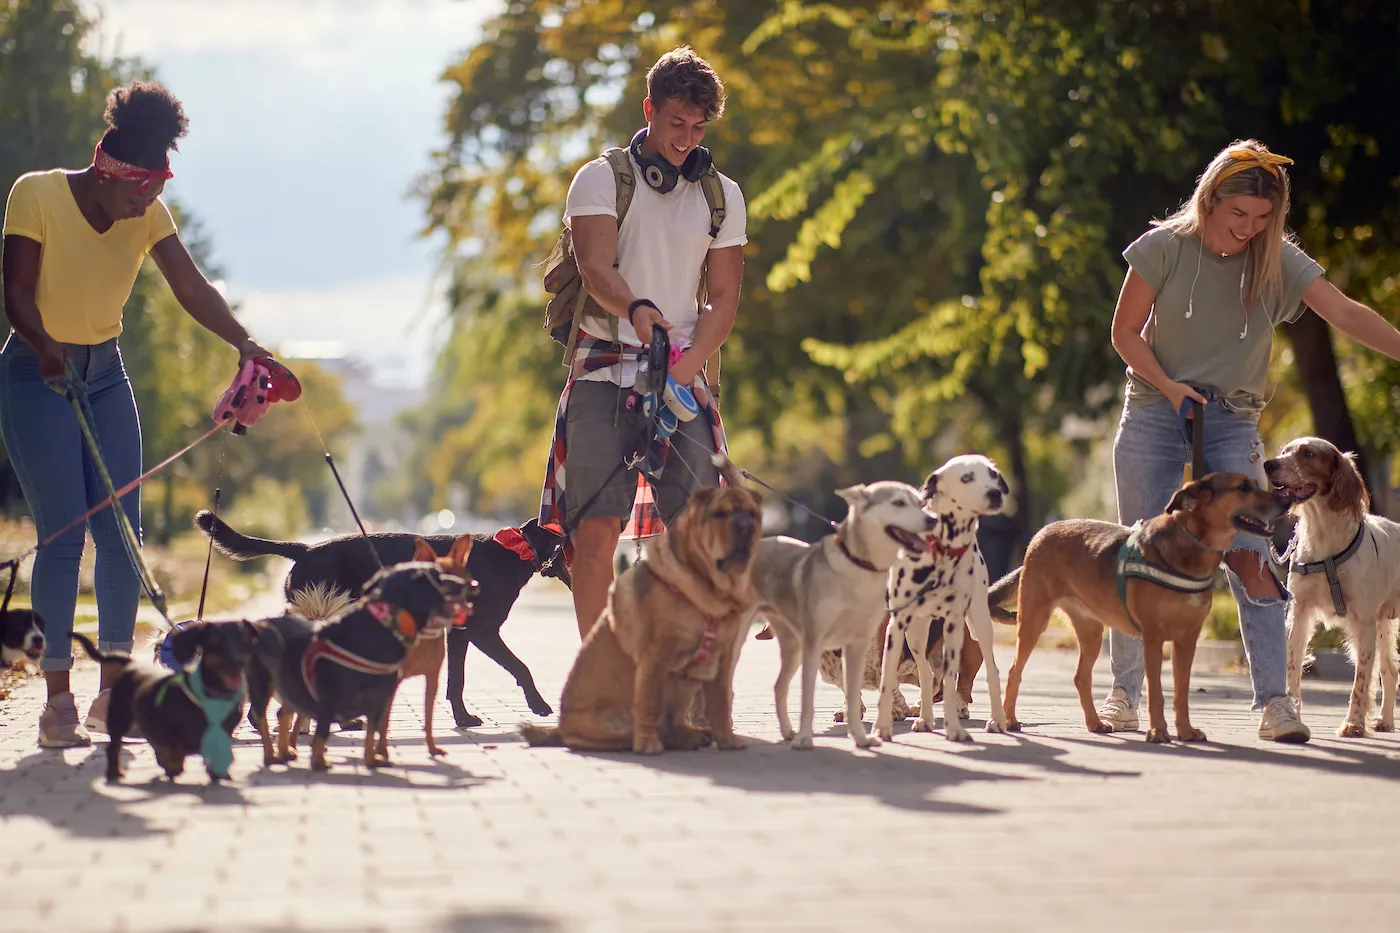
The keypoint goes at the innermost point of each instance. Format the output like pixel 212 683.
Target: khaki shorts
pixel 599 428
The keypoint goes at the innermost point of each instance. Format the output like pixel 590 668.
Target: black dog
pixel 349 666
pixel 328 576
pixel 168 707
pixel 21 636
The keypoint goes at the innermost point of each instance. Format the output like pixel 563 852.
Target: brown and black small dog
pixel 166 716
pixel 21 636
pixel 427 654
pixel 1072 565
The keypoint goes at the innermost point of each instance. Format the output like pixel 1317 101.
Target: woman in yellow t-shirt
pixel 73 243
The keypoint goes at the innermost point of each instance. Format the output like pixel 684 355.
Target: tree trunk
pixel 1317 370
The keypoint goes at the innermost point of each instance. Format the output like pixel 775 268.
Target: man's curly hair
pixel 683 74
pixel 146 121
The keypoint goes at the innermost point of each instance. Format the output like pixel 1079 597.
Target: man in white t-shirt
pixel 646 273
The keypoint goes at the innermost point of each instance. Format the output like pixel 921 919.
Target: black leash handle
pixel 1198 440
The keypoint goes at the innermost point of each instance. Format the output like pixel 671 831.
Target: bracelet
pixel 632 308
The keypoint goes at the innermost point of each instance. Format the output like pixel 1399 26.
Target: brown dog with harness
pixel 1152 580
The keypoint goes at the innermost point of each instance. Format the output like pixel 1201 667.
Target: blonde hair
pixel 1244 168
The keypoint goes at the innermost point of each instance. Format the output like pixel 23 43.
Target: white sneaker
pixel 59 726
pixel 1119 715
pixel 1280 722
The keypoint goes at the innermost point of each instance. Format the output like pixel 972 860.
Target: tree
pixel 939 193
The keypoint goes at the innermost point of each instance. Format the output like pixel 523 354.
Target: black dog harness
pixel 1329 566
pixel 1133 563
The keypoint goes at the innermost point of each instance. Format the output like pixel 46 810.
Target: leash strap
pixel 1193 428
pixel 1329 566
pixel 209 557
pixel 10 587
pixel 77 395
pixel 1133 563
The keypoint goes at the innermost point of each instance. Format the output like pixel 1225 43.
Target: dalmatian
pixel 944 586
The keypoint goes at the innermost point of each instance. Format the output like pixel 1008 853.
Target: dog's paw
pixel 1352 730
pixel 731 743
pixel 1383 725
pixel 964 711
pixel 922 725
pixel 994 726
pixel 539 709
pixel 801 743
pixel 957 734
pixel 787 733
pixel 1099 727
pixel 646 745
pixel 466 720
pixel 321 765
pixel 434 751
pixel 1158 736
pixel 1190 734
pixel 1013 725
pixel 866 741
pixel 838 716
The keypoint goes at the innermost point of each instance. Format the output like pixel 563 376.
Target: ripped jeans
pixel 1150 454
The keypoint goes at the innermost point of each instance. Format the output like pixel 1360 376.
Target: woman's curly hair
pixel 146 121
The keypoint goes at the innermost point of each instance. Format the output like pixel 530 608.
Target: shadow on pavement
pixel 75 798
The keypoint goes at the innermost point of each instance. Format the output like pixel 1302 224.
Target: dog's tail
pixel 1005 590
pixel 96 655
pixel 241 547
pixel 536 735
pixel 320 600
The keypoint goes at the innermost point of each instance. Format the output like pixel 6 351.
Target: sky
pixel 309 121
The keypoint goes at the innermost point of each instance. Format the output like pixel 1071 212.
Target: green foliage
pixel 938 192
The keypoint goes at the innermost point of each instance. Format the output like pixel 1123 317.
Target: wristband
pixel 632 308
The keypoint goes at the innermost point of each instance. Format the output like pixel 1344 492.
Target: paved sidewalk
pixel 1054 829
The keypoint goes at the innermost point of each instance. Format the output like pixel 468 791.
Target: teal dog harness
pixel 1133 563
pixel 216 745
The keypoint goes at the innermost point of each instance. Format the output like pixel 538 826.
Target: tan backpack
pixel 570 302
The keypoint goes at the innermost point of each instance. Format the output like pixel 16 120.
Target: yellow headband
pixel 1251 158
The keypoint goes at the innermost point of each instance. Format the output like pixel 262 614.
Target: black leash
pixel 1198 440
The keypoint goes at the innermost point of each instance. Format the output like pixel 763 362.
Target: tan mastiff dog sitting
pixel 673 626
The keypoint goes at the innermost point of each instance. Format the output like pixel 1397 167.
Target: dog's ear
pixel 856 496
pixel 930 487
pixel 1348 493
pixel 1001 484
pixel 1192 495
pixel 186 640
pixel 461 550
pixel 249 631
pixel 423 552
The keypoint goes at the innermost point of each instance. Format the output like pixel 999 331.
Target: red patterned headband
pixel 108 166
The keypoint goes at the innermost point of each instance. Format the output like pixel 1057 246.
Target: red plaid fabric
pixel 592 355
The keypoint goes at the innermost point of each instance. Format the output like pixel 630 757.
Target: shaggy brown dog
pixel 1073 566
pixel 673 627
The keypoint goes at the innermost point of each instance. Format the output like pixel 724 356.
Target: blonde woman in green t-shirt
pixel 1195 322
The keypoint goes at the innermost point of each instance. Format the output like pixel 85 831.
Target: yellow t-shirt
pixel 84 276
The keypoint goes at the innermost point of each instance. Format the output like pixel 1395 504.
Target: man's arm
pixel 725 279
pixel 595 249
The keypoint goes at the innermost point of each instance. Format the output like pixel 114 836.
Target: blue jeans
pixel 56 473
pixel 1150 453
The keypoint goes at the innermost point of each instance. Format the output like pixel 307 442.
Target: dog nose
pixel 994 498
pixel 1270 464
pixel 742 524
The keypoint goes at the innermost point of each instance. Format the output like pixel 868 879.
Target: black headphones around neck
pixel 660 174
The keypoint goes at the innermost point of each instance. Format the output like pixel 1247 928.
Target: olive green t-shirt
pixel 1207 349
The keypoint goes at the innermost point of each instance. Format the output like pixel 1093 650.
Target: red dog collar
pixel 937 549
pixel 512 540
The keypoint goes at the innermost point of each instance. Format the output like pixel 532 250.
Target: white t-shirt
pixel 660 248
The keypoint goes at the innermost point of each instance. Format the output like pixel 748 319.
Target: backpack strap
pixel 713 188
